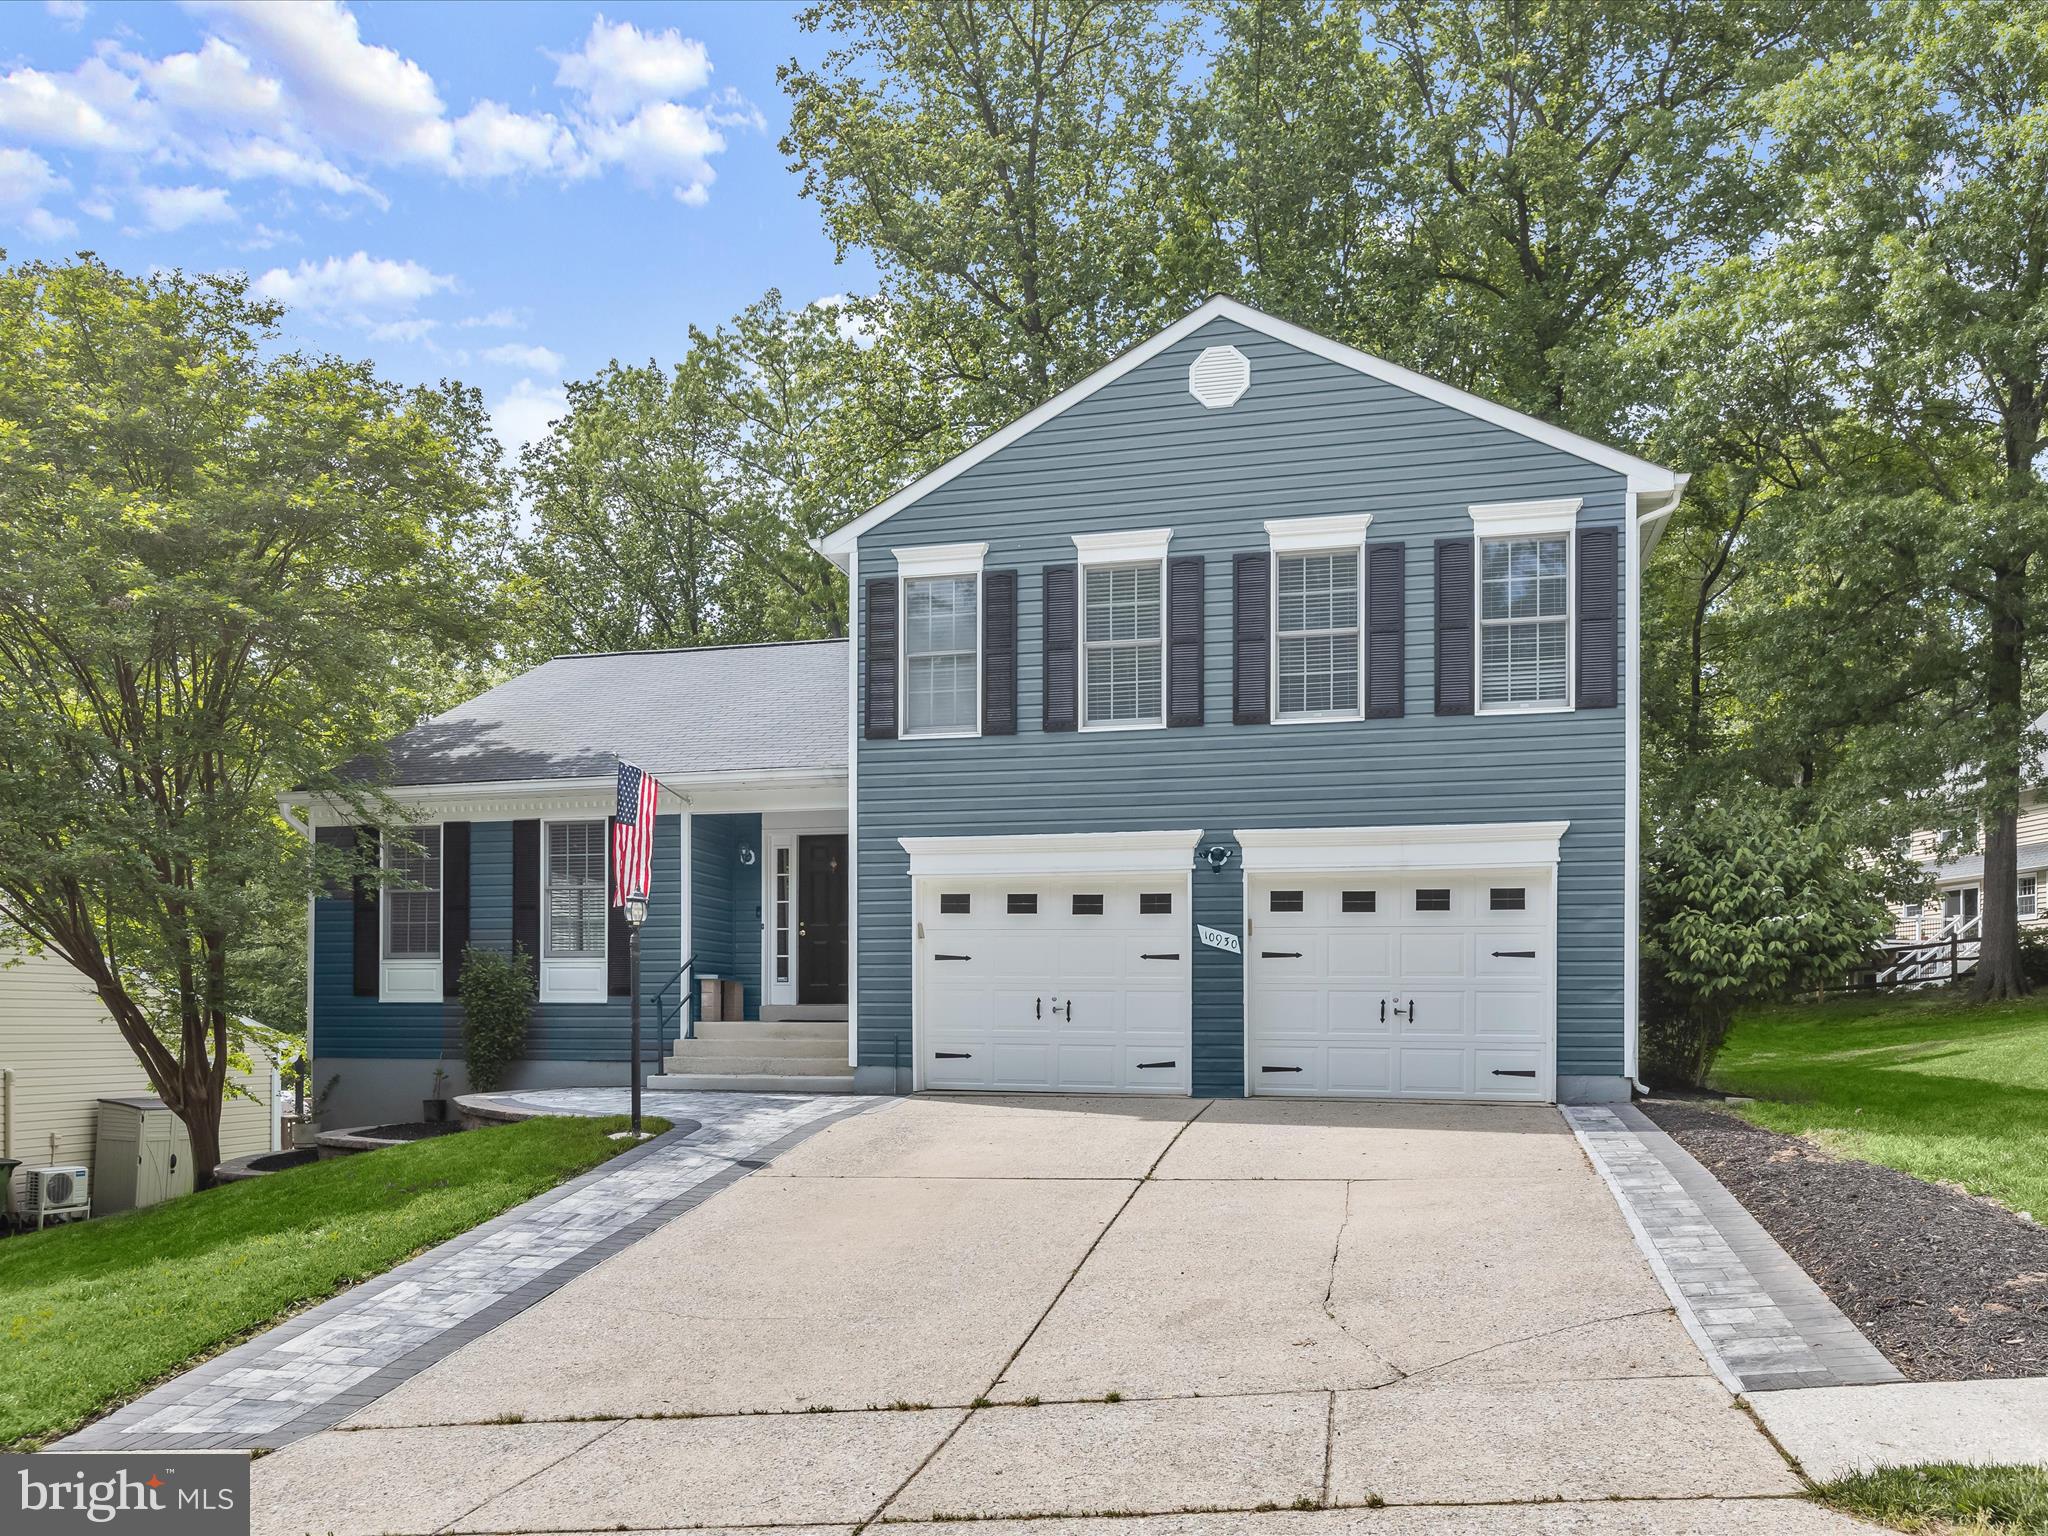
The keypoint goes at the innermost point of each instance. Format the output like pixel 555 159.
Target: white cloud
pixel 620 67
pixel 415 329
pixel 359 290
pixel 166 208
pixel 492 140
pixel 95 106
pixel 667 144
pixel 729 109
pixel 26 182
pixel 495 320
pixel 45 225
pixel 518 355
pixel 218 83
pixel 521 415
pixel 67 13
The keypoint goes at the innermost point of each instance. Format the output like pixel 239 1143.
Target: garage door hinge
pixel 1279 1069
pixel 952 957
pixel 1512 1072
pixel 954 1055
pixel 1159 957
pixel 1146 1066
pixel 1514 954
pixel 1279 954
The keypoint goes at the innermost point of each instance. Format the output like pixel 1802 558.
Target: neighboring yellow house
pixel 60 1054
pixel 1959 882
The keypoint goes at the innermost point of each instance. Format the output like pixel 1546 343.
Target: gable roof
pixel 1641 474
pixel 713 710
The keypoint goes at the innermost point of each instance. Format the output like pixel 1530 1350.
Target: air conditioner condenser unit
pixel 57 1194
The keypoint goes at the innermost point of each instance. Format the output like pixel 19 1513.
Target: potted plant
pixel 435 1105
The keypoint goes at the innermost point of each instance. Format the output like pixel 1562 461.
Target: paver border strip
pixel 107 1434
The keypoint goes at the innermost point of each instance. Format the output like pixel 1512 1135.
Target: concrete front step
pixel 752 1082
pixel 773 1029
pixel 822 1050
pixel 755 1061
pixel 814 1013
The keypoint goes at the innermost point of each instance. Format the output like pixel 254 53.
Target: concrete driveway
pixel 1235 1316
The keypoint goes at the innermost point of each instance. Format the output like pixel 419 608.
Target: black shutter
pixel 1386 629
pixel 1184 578
pixel 1061 618
pixel 526 889
pixel 1454 622
pixel 999 653
pixel 1599 634
pixel 881 659
pixel 618 933
pixel 367 938
pixel 454 903
pixel 1251 586
pixel 341 840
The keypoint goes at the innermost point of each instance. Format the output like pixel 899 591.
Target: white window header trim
pixel 940 560
pixel 1053 854
pixel 1484 845
pixel 1297 535
pixel 1504 519
pixel 1130 548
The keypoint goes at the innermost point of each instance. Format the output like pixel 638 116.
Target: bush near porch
pixel 93 1314
pixel 1917 1081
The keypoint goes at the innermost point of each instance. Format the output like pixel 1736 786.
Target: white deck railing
pixel 1930 962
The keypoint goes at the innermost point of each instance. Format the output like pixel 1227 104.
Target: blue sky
pixel 507 194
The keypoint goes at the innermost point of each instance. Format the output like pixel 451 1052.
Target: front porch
pixel 768 926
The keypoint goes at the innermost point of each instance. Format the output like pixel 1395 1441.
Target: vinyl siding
pixel 726 896
pixel 349 1026
pixel 1310 438
pixel 67 1054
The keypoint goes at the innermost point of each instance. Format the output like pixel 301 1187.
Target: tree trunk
pixel 1998 973
pixel 201 1115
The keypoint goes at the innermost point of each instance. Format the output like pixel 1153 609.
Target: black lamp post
pixel 636 914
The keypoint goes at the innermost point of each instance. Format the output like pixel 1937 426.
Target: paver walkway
pixel 1217 1318
pixel 332 1360
pixel 1761 1320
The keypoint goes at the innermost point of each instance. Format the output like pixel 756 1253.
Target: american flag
pixel 633 835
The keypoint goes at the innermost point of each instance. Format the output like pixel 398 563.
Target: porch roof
pixel 713 710
pixel 2033 859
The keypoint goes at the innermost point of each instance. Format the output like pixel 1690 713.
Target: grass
pixel 1917 1081
pixel 93 1313
pixel 2012 1501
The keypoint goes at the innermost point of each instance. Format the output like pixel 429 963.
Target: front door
pixel 821 919
pixel 1959 907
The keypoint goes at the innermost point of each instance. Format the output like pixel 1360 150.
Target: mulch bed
pixel 1948 1286
pixel 412 1130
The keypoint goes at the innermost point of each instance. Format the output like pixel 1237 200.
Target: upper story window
pixel 1525 605
pixel 941 639
pixel 412 900
pixel 576 889
pixel 1318 615
pixel 1123 629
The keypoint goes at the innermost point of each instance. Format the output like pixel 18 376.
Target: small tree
pixel 497 1000
pixel 1742 904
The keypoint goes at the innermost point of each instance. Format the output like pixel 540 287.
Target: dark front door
pixel 821 919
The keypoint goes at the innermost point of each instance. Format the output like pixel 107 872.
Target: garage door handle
pixel 1513 1072
pixel 1147 1066
pixel 1514 954
pixel 1159 957
pixel 954 1055
pixel 1279 1069
pixel 1279 954
pixel 952 957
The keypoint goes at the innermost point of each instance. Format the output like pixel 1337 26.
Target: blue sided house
pixel 1255 717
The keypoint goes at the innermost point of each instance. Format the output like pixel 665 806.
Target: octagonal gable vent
pixel 1219 377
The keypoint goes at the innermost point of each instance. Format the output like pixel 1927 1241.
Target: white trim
pixel 1343 533
pixel 1467 846
pixel 528 799
pixel 581 978
pixel 936 572
pixel 941 559
pixel 778 844
pixel 853 738
pixel 1640 473
pixel 1506 519
pixel 1053 854
pixel 1570 620
pixel 1134 547
pixel 1311 535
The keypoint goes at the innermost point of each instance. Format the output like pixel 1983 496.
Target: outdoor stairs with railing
pixel 786 1050
pixel 1919 963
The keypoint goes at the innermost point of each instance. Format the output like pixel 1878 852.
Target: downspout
pixel 6 1111
pixel 303 826
pixel 1652 512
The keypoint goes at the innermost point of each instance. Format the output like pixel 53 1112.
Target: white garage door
pixel 1416 987
pixel 1031 984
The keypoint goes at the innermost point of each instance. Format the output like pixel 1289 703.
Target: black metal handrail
pixel 681 1006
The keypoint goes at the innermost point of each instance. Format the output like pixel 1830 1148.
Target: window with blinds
pixel 412 899
pixel 1316 622
pixel 1524 622
pixel 1122 632
pixel 941 693
pixel 575 889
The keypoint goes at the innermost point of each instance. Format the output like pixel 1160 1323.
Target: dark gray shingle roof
pixel 716 709
pixel 2033 858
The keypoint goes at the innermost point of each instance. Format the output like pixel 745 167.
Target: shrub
pixel 1742 904
pixel 2034 956
pixel 497 993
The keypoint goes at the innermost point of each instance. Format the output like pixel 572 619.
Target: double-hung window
pixel 941 639
pixel 1318 615
pixel 1123 629
pixel 2028 906
pixel 1525 605
pixel 576 881
pixel 410 900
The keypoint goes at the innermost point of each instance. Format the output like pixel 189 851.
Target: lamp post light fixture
pixel 636 914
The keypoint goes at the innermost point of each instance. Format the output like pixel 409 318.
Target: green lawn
pixel 2012 1501
pixel 1915 1081
pixel 93 1313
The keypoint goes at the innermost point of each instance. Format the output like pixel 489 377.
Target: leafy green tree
pixel 1743 902
pixel 221 574
pixel 1005 167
